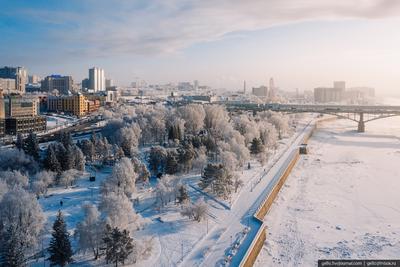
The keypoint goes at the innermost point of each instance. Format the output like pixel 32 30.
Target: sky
pixel 300 43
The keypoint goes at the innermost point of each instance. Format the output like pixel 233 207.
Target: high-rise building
pixel 85 83
pixel 196 85
pixel 19 74
pixel 109 83
pixel 63 84
pixel 97 80
pixel 261 91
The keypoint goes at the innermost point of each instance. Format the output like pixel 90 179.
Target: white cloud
pixel 105 28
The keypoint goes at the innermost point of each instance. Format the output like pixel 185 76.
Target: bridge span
pixel 357 113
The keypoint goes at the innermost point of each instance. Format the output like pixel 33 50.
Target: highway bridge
pixel 357 113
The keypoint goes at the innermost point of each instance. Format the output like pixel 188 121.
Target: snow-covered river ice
pixel 342 200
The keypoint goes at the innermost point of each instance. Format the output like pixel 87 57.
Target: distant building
pixel 112 96
pixel 19 74
pixel 33 79
pixel 196 85
pixel 185 86
pixel 74 104
pixel 97 79
pixel 261 91
pixel 85 84
pixel 328 94
pixel 7 85
pixel 109 83
pixel 63 84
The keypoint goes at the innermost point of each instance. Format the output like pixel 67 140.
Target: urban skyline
pixel 301 45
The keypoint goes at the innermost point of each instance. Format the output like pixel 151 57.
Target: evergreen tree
pixel 65 139
pixel 65 156
pixel 256 146
pixel 118 245
pixel 20 141
pixel 183 196
pixel 60 246
pixel 211 172
pixel 51 162
pixel 31 146
pixel 171 165
pixel 12 249
pixel 186 156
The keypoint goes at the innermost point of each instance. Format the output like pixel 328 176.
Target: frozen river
pixel 341 201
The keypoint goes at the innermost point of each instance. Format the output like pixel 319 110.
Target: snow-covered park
pixel 341 201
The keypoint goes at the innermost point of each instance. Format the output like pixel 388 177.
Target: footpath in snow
pixel 342 199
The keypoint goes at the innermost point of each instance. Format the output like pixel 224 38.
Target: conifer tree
pixel 60 246
pixel 12 249
pixel 256 146
pixel 51 161
pixel 171 165
pixel 118 245
pixel 31 146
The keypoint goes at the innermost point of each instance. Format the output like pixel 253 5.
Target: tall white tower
pixel 97 81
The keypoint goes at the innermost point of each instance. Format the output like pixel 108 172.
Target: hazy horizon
pixel 302 44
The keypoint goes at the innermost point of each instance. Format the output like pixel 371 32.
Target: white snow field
pixel 341 200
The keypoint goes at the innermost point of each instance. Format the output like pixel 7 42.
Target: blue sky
pixel 301 43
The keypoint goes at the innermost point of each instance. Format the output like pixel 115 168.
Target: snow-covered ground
pixel 341 200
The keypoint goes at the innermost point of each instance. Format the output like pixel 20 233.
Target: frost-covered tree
pixel 41 181
pixel 200 159
pixel 3 189
pixel 60 246
pixel 141 170
pixel 118 245
pixel 68 177
pixel 119 210
pixel 122 179
pixel 268 135
pixel 194 116
pixel 186 155
pixel 79 159
pixel 166 190
pixel 21 220
pixel 128 138
pixel 12 249
pixel 157 158
pixel 171 162
pixel 281 124
pixel 14 178
pixel 89 231
pixel 15 159
pixel 196 211
pixel 183 196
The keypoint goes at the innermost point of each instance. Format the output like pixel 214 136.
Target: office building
pixel 25 125
pixel 96 79
pixel 63 84
pixel 17 106
pixel 85 84
pixel 329 94
pixel 261 91
pixel 19 74
pixel 20 115
pixel 7 85
pixel 75 104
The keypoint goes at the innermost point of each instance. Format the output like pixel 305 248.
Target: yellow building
pixel 75 104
